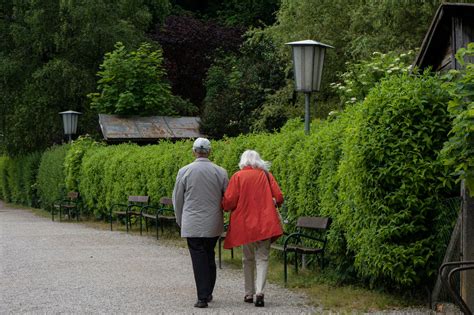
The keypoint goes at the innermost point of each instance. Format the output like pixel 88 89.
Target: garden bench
pixel 309 239
pixel 163 213
pixel 166 212
pixel 132 208
pixel 69 205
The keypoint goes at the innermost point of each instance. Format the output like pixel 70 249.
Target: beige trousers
pixel 255 261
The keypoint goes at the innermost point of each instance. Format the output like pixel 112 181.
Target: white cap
pixel 202 144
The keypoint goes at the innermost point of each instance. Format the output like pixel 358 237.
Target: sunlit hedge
pixel 51 176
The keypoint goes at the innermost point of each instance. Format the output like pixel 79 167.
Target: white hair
pixel 252 158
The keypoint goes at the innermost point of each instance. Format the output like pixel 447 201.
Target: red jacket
pixel 253 217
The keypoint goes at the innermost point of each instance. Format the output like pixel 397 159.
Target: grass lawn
pixel 319 286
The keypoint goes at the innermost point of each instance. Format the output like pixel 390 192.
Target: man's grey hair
pixel 202 151
pixel 252 158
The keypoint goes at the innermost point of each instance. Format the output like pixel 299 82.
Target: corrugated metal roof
pixel 120 128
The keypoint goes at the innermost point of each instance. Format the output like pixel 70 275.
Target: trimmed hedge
pixel 52 176
pixel 18 179
pixel 374 169
pixel 392 181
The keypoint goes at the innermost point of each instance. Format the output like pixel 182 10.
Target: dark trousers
pixel 204 264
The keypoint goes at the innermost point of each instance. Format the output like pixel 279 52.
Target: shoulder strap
pixel 269 183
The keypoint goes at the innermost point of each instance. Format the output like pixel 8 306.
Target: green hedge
pixel 18 179
pixel 52 176
pixel 392 181
pixel 373 168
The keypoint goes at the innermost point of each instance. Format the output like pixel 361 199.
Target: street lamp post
pixel 308 59
pixel 70 122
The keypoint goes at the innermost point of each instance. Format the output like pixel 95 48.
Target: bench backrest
pixel 139 199
pixel 317 223
pixel 73 195
pixel 166 201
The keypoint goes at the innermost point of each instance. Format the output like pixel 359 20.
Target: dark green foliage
pixel 18 179
pixel 50 52
pixel 458 152
pixel 247 12
pixel 231 12
pixel 237 87
pixel 355 28
pixel 51 176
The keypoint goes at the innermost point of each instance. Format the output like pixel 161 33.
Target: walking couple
pixel 202 190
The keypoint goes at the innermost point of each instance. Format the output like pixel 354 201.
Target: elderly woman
pixel 251 197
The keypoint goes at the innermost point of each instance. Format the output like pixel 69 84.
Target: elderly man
pixel 197 197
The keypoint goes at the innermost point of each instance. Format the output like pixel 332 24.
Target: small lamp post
pixel 70 122
pixel 308 59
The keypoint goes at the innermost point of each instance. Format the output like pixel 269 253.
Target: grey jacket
pixel 197 196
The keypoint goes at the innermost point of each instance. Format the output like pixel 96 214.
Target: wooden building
pixel 451 29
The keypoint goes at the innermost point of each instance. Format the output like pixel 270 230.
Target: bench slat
pixel 143 199
pixel 320 223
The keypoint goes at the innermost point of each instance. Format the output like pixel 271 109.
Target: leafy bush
pixel 51 176
pixel 236 89
pixel 459 150
pixel 362 76
pixel 132 83
pixel 392 181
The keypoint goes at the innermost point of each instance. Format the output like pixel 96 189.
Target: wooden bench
pixel 163 213
pixel 166 213
pixel 132 208
pixel 312 229
pixel 69 205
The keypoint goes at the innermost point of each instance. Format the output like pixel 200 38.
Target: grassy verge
pixel 323 290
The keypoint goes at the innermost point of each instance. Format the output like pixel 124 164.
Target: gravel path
pixel 49 267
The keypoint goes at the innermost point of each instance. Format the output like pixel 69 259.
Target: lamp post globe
pixel 70 118
pixel 308 59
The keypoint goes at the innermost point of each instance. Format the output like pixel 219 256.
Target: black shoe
pixel 248 299
pixel 201 304
pixel 259 300
pixel 209 298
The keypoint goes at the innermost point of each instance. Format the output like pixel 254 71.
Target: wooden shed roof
pixel 440 40
pixel 148 129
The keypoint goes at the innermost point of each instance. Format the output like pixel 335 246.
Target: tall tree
pixel 189 46
pixel 50 52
